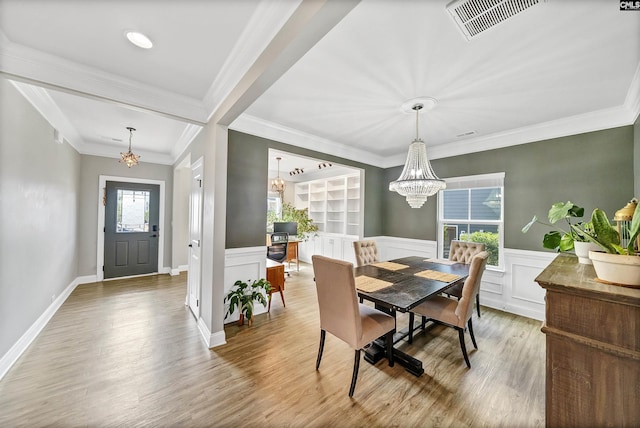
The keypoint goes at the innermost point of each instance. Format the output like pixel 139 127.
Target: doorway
pixel 102 201
pixel 131 229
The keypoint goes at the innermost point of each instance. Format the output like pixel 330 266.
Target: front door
pixel 131 229
pixel 195 236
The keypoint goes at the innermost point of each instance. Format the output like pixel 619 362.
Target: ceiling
pixel 558 68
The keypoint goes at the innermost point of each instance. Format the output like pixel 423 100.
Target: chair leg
pixel 322 336
pixel 389 340
pixel 354 378
pixel 424 322
pixel 464 348
pixel 411 319
pixel 478 304
pixel 282 295
pixel 269 305
pixel 473 338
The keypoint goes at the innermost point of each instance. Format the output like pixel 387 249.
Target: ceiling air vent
pixel 475 16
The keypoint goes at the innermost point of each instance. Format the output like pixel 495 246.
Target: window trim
pixel 479 181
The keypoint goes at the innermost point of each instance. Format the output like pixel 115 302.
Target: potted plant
pixel 243 295
pixel 306 227
pixel 614 263
pixel 575 238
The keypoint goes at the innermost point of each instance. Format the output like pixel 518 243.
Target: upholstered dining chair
pixel 463 252
pixel 454 313
pixel 366 252
pixel 342 315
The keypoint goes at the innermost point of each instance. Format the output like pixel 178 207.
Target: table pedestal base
pixel 377 350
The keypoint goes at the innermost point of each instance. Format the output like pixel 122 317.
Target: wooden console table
pixel 593 348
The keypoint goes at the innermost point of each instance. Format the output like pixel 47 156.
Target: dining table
pixel 400 285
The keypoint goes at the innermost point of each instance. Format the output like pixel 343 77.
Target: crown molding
pixel 102 150
pixel 276 132
pixel 46 106
pixel 573 125
pixel 632 101
pixel 190 132
pixel 33 66
pixel 264 24
pixel 623 115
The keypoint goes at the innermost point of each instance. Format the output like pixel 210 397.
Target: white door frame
pixel 194 281
pixel 101 193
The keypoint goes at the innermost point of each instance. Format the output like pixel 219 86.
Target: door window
pixel 133 211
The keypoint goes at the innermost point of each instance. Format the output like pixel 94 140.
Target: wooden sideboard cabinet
pixel 593 348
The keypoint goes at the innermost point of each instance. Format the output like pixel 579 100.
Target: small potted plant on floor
pixel 244 295
pixel 575 238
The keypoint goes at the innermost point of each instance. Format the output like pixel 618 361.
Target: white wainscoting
pixel 513 290
pixel 245 264
pixel 328 245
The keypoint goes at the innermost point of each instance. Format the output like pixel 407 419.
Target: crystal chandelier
pixel 129 157
pixel 277 184
pixel 417 181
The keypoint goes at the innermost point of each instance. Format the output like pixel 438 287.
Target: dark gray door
pixel 131 229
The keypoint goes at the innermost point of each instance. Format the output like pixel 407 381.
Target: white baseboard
pixel 87 279
pixel 9 359
pixel 217 339
pixel 212 340
pixel 181 268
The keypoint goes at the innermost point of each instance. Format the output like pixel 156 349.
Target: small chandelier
pixel 129 157
pixel 277 184
pixel 417 181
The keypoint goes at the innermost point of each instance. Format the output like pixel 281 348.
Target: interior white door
pixel 195 237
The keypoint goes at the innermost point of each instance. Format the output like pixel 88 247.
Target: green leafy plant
pixel 243 296
pixel 306 227
pixel 490 241
pixel 607 236
pixel 561 239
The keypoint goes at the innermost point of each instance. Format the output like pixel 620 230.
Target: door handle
pixel 190 245
pixel 154 236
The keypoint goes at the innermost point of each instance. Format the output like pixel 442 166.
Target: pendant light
pixel 277 184
pixel 417 181
pixel 129 157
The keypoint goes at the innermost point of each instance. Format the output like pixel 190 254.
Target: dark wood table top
pixel 408 290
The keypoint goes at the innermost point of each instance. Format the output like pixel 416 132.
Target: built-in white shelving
pixel 334 203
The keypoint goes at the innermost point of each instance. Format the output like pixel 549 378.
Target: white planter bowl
pixel 582 251
pixel 616 268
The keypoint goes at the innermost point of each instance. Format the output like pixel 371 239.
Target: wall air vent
pixel 476 16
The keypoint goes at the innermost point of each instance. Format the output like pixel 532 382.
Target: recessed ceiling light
pixel 139 39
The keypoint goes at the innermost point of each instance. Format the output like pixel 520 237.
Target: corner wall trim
pixel 211 339
pixel 18 348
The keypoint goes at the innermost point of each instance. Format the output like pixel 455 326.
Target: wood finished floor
pixel 128 353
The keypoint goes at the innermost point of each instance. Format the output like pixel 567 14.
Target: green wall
pixel 248 159
pixel 592 170
pixel 636 156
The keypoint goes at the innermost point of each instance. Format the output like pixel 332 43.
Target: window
pixel 133 211
pixel 274 209
pixel 471 209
